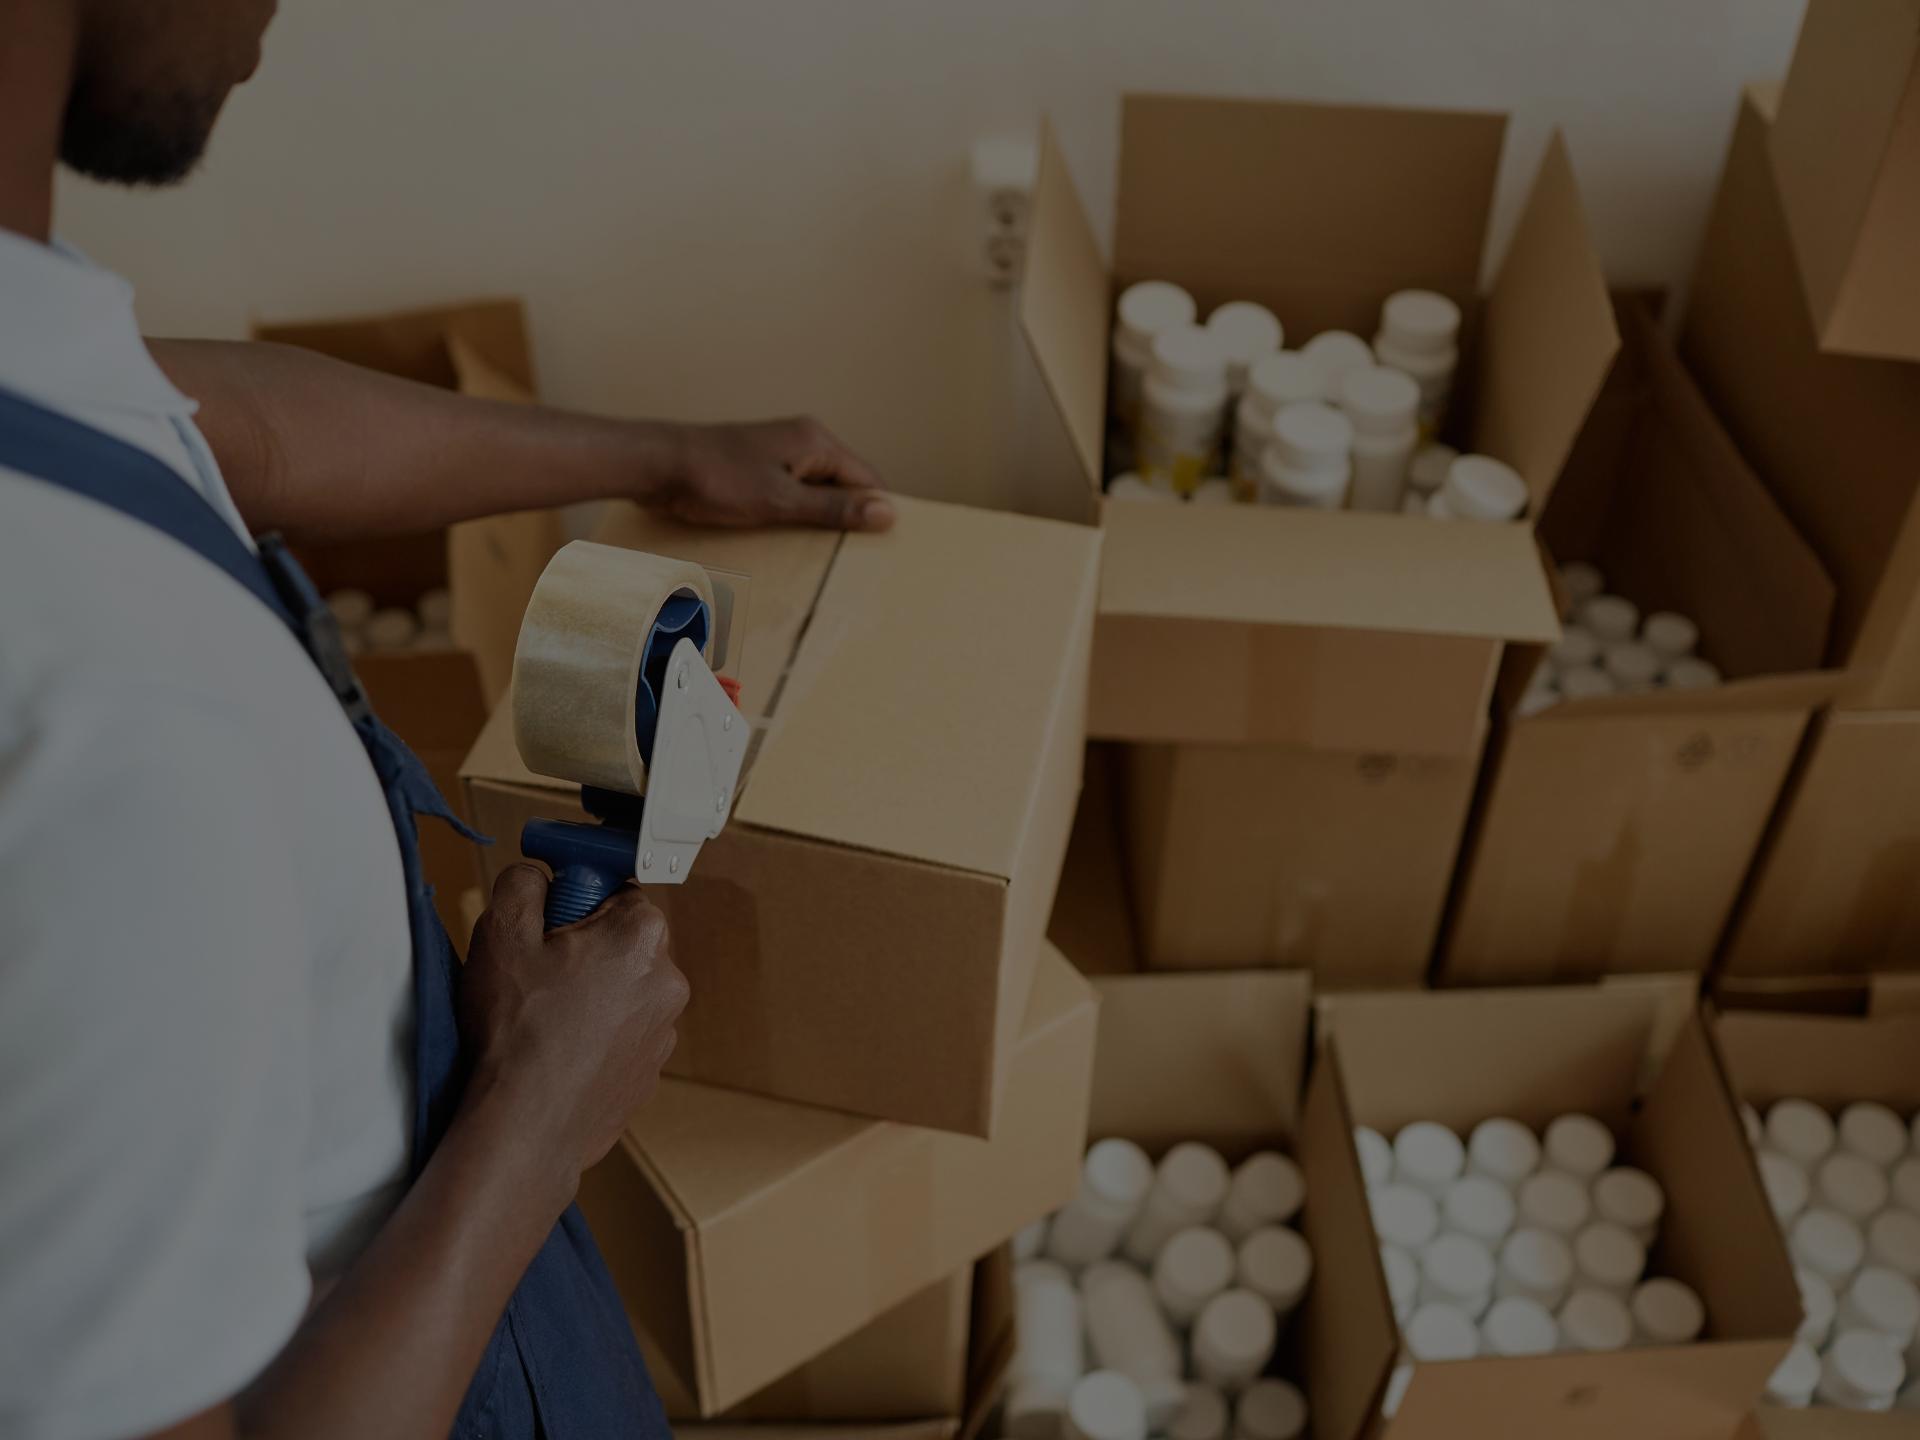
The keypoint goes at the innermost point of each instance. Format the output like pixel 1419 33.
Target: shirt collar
pixel 70 337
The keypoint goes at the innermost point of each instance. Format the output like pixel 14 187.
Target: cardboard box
pixel 1459 1057
pixel 1614 833
pixel 1847 155
pixel 1836 889
pixel 863 934
pixel 1836 438
pixel 1349 631
pixel 749 1235
pixel 1859 996
pixel 437 700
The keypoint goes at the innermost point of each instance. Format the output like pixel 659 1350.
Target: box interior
pixel 1828 1059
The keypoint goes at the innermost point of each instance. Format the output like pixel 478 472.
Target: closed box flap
pixel 922 703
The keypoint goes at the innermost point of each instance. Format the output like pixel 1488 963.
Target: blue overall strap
pixel 561 1363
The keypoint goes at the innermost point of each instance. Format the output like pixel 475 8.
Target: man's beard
pixel 152 139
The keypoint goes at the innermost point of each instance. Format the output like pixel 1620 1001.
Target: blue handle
pixel 589 863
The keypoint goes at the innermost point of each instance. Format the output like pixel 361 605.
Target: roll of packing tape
pixel 577 667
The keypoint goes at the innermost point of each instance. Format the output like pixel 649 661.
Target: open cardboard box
pixel 748 1235
pixel 437 700
pixel 1613 834
pixel 1346 631
pixel 863 934
pixel 1459 1057
pixel 1847 156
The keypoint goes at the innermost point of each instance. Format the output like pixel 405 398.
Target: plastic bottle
pixel 1786 1184
pixel 1266 1189
pixel 1183 407
pixel 1188 1186
pixel 1404 1216
pixel 1376 1156
pixel 1817 1307
pixel 1105 1406
pixel 1333 353
pixel 1382 404
pixel 1855 1187
pixel 1478 487
pixel 1419 333
pixel 1233 1339
pixel 1145 311
pixel 1309 462
pixel 1669 634
pixel 1610 617
pixel 1457 1270
pixel 1553 1200
pixel 1127 1334
pixel 1881 1300
pixel 1579 1145
pixel 1575 647
pixel 1691 673
pixel 1202 1414
pixel 1581 581
pixel 1479 1207
pixel 1426 473
pixel 1872 1131
pixel 1048 1357
pixel 1796 1378
pixel 1861 1371
pixel 1247 331
pixel 1519 1326
pixel 1270 1410
pixel 1536 1264
pixel 1502 1150
pixel 1631 1199
pixel 1429 1156
pixel 1113 1184
pixel 1276 1264
pixel 1632 665
pixel 1607 1258
pixel 1666 1312
pixel 1275 382
pixel 1595 1320
pixel 1194 1266
pixel 1440 1332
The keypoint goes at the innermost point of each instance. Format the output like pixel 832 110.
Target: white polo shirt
pixel 205 970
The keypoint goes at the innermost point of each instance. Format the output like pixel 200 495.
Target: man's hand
pixel 576 1022
pixel 774 472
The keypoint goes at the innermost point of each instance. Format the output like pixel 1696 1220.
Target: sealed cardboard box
pixel 1836 438
pixel 1614 832
pixel 1847 154
pixel 1352 631
pixel 748 1235
pixel 1464 1056
pixel 863 933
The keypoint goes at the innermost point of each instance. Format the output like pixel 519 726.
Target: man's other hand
pixel 774 472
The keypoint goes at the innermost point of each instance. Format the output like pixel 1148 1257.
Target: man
pixel 255 1179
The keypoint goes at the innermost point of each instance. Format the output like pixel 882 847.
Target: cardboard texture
pixel 1533 1054
pixel 1092 921
pixel 1837 887
pixel 1836 438
pixel 1324 860
pixel 1857 996
pixel 437 701
pixel 1262 625
pixel 862 935
pixel 1847 156
pixel 1613 835
pixel 748 1235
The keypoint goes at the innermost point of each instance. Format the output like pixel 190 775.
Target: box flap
pixel 1827 1059
pixel 1318 212
pixel 413 343
pixel 922 702
pixel 1063 306
pixel 1547 333
pixel 1337 570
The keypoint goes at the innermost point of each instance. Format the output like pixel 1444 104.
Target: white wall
pixel 733 208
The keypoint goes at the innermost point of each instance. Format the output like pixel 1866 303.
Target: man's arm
pixel 323 450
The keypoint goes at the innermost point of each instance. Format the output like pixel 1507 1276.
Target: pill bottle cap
pixel 1441 1332
pixel 1275 1263
pixel 1886 1300
pixel 1247 330
pixel 1420 320
pixel 1429 1153
pixel 1189 358
pixel 1268 1186
pixel 1270 1410
pixel 1106 1405
pixel 1194 1174
pixel 1118 1171
pixel 1195 1265
pixel 1579 1144
pixel 1629 1197
pixel 1478 487
pixel 1596 1320
pixel 1866 1362
pixel 1851 1185
pixel 1670 634
pixel 1458 1265
pixel 1152 306
pixel 1668 1311
pixel 1519 1326
pixel 1478 1206
pixel 1800 1129
pixel 1404 1216
pixel 1237 1328
pixel 1554 1200
pixel 1827 1242
pixel 1631 663
pixel 1504 1149
pixel 1379 400
pixel 1610 617
pixel 1538 1259
pixel 1311 435
pixel 1609 1255
pixel 1335 352
pixel 1871 1130
pixel 1692 673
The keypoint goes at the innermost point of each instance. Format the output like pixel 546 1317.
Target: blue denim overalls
pixel 562 1362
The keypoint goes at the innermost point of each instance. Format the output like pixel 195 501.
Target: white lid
pixel 1670 634
pixel 1152 306
pixel 1335 352
pixel 1479 487
pixel 1893 1239
pixel 1575 647
pixel 1117 1171
pixel 1630 663
pixel 1195 1175
pixel 1132 487
pixel 1519 1326
pixel 1403 1278
pixel 1376 1155
pixel 1311 435
pixel 1906 1184
pixel 1378 399
pixel 1202 1414
pixel 1428 1154
pixel 1629 1197
pixel 1458 1265
pixel 1886 1300
pixel 1479 1206
pixel 1586 682
pixel 1215 490
pixel 1595 1320
pixel 1608 1256
pixel 1668 1311
pixel 1582 582
pixel 1873 1132
pixel 1041 1272
pixel 1106 1405
pixel 1195 1265
pixel 1237 1328
pixel 1817 1305
pixel 1786 1184
pixel 1189 357
pixel 1441 1332
pixel 1610 617
pixel 1800 1129
pixel 1793 1380
pixel 1427 471
pixel 1578 1144
pixel 1270 1410
pixel 1554 1200
pixel 1692 673
pixel 1420 319
pixel 1283 378
pixel 1268 1186
pixel 1247 330
pixel 1275 1263
pixel 1827 1243
pixel 1866 1362
pixel 1750 1122
pixel 1403 1216
pixel 1537 1259
pixel 1855 1187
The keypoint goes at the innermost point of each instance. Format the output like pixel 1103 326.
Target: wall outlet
pixel 1003 170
